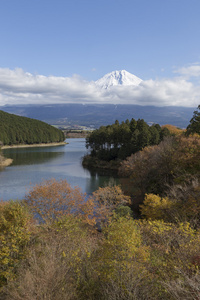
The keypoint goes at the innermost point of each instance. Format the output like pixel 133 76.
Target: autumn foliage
pixel 67 256
pixel 154 169
pixel 174 130
pixel 107 200
pixel 16 225
pixel 51 200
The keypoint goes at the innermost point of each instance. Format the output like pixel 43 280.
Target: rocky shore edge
pixel 5 162
pixel 34 145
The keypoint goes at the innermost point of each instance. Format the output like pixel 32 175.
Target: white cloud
pixel 176 92
pixel 19 87
pixel 192 70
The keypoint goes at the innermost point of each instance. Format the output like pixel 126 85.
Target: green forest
pixel 15 130
pixel 121 140
pixel 135 244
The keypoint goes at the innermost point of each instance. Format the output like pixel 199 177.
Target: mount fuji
pixel 118 78
pixel 71 115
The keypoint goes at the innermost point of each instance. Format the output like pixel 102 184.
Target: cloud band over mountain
pixel 19 87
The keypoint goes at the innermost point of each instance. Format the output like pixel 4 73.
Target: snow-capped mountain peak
pixel 118 78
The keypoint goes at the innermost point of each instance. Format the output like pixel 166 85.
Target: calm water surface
pixel 32 165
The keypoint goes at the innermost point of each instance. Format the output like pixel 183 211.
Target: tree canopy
pixel 21 130
pixel 121 140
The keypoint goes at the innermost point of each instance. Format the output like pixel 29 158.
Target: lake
pixel 32 165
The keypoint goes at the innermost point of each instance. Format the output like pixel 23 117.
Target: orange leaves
pixel 53 199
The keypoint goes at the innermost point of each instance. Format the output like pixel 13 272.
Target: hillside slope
pixel 102 114
pixel 22 130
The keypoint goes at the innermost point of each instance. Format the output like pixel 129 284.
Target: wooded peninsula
pixel 16 130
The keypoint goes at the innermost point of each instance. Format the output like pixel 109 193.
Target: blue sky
pixel 156 40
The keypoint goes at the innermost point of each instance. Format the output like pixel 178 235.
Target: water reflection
pixel 33 165
pixel 30 156
pixel 100 178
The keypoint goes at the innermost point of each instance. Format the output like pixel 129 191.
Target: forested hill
pixel 22 130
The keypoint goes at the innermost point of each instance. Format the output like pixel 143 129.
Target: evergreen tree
pixel 194 126
pixel 121 140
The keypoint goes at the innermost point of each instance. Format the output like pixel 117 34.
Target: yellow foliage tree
pixel 15 233
pixel 182 205
pixel 56 263
pixel 154 207
pixel 173 129
pixel 172 248
pixel 121 249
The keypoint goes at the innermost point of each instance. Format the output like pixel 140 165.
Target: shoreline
pixel 34 145
pixel 6 162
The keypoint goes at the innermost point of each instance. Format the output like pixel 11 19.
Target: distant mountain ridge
pixel 118 78
pixel 102 114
